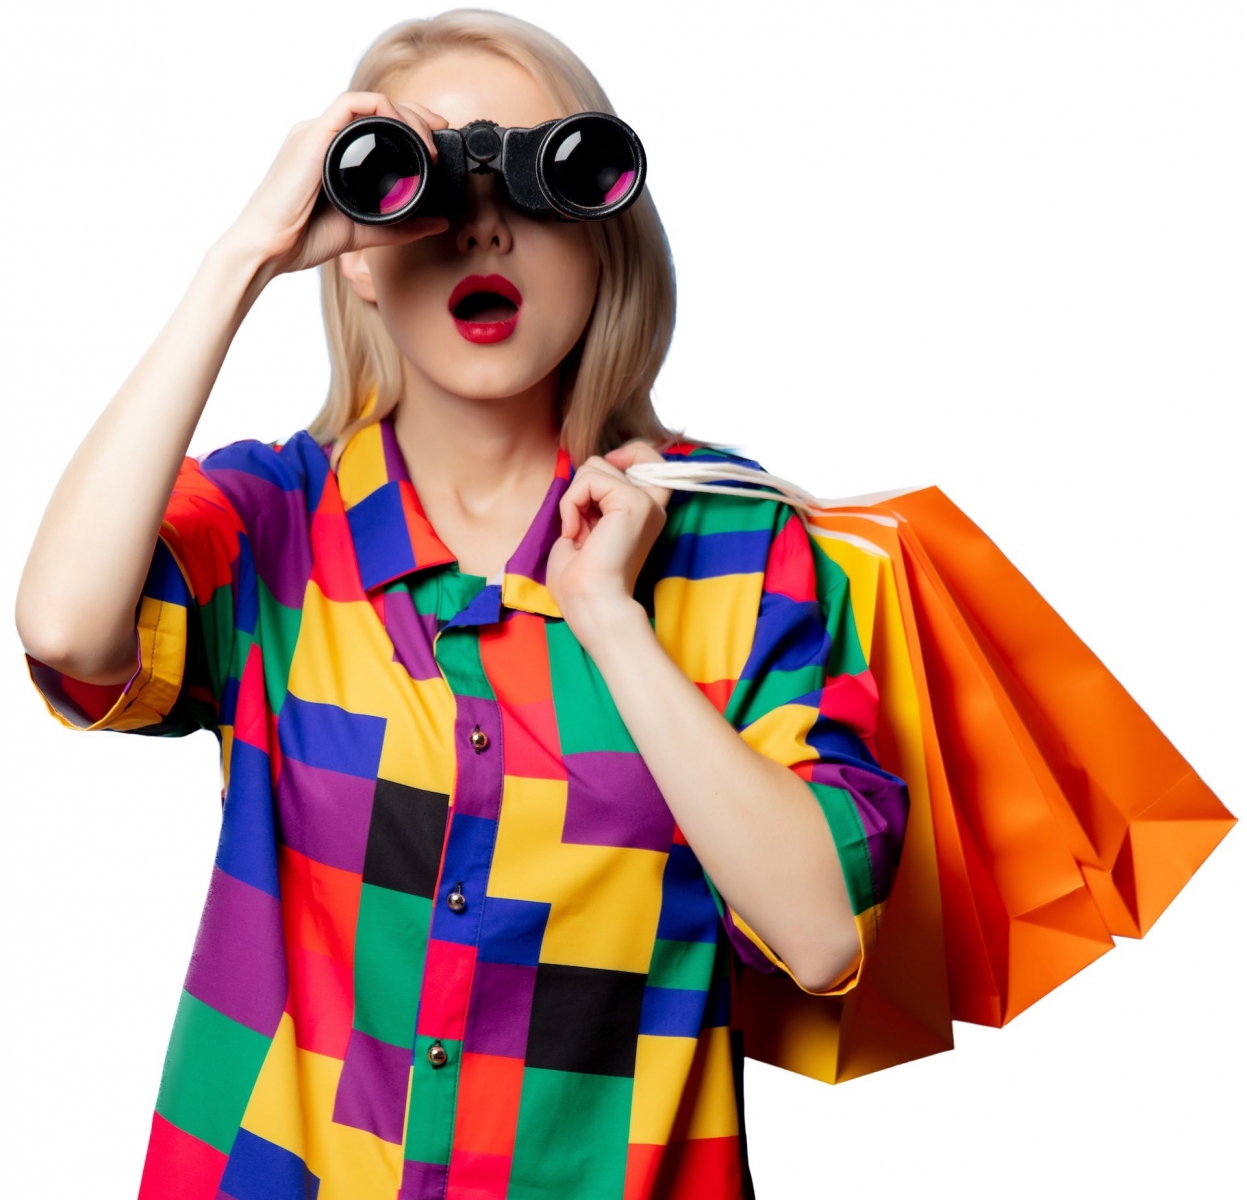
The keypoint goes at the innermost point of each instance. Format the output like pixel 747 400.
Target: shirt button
pixel 479 739
pixel 456 901
pixel 437 1054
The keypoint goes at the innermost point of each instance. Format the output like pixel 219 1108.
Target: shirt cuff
pixel 844 803
pixel 145 699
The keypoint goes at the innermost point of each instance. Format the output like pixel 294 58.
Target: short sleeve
pixel 186 619
pixel 806 699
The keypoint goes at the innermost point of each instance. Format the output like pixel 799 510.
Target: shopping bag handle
pixel 701 475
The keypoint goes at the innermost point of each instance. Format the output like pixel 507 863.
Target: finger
pixel 571 516
pixel 634 451
pixel 595 462
pixel 350 105
pixel 603 469
pixel 422 121
pixel 660 495
pixel 346 106
pixel 596 482
pixel 427 115
pixel 570 519
pixel 640 451
pixel 607 488
pixel 411 229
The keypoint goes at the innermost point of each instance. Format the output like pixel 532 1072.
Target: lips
pixel 485 308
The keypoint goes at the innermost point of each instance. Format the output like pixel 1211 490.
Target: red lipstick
pixel 485 308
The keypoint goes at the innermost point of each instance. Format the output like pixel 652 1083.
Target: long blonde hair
pixel 606 379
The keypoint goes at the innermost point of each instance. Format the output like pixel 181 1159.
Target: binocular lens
pixel 590 163
pixel 378 171
pixel 585 167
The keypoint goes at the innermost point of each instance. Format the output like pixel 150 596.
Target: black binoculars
pixel 585 167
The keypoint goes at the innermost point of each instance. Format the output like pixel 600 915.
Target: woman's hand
pixel 288 226
pixel 609 526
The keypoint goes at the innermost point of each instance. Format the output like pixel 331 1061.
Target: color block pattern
pixel 455 944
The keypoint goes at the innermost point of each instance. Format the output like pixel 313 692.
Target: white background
pixel 995 247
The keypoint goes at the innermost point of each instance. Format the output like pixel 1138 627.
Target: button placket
pixel 455 928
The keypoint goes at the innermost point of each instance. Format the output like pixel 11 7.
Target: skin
pixel 477 426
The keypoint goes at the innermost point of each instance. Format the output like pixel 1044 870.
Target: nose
pixel 484 222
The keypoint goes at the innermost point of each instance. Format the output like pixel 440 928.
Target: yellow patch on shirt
pixel 344 658
pixel 706 625
pixel 662 1067
pixel 604 900
pixel 350 1163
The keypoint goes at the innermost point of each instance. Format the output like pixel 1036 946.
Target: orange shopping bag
pixel 1047 812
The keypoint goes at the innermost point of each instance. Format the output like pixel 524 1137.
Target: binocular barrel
pixel 586 167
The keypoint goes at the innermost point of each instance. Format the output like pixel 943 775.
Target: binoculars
pixel 586 167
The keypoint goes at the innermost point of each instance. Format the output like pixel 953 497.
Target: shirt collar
pixel 392 536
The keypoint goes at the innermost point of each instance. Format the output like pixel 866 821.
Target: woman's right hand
pixel 284 227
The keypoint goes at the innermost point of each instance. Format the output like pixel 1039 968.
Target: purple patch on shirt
pixel 748 953
pixel 882 807
pixel 502 999
pixel 533 552
pixel 423 1181
pixel 324 814
pixel 277 528
pixel 395 467
pixel 412 635
pixel 478 790
pixel 372 1091
pixel 238 965
pixel 612 800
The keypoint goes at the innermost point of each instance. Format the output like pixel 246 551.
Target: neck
pixel 477 453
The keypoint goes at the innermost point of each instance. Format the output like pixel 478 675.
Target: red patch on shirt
pixel 320 905
pixel 448 970
pixel 790 566
pixel 179 1165
pixel 251 716
pixel 333 552
pixel 489 1088
pixel 321 1002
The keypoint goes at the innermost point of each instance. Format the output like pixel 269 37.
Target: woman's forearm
pixel 82 579
pixel 754 825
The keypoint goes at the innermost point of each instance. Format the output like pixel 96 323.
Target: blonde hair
pixel 606 379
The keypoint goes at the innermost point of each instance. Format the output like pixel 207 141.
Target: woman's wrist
pixel 238 266
pixel 605 629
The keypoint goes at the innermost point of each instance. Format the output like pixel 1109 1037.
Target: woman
pixel 523 762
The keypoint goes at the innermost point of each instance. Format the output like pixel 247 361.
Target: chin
pixel 490 373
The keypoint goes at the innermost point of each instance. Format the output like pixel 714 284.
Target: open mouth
pixel 485 308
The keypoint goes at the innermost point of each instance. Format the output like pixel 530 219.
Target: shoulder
pixel 697 452
pixel 727 508
pixel 251 503
pixel 716 542
pixel 256 476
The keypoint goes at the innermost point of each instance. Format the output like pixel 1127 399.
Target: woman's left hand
pixel 609 526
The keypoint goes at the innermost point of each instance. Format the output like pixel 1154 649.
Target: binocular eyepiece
pixel 586 167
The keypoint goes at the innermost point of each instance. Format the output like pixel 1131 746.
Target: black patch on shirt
pixel 585 1019
pixel 405 838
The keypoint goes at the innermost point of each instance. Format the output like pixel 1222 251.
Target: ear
pixel 354 267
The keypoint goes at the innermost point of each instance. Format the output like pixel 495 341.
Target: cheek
pixel 403 279
pixel 567 269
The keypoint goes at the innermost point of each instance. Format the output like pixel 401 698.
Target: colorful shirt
pixel 454 944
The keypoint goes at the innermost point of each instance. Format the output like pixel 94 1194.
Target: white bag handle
pixel 700 475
